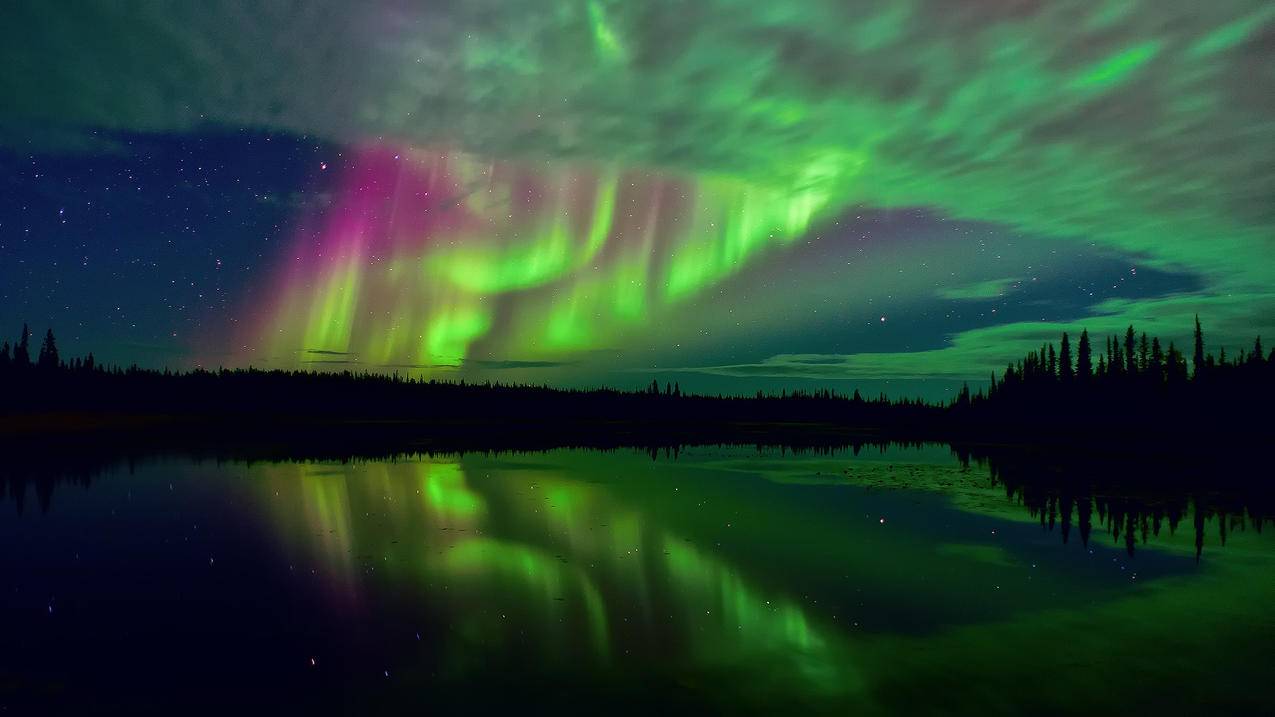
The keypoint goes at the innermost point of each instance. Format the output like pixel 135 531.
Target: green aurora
pixel 680 152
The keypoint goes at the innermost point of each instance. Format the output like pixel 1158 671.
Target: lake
pixel 717 579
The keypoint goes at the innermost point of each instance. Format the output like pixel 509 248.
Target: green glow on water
pixel 727 565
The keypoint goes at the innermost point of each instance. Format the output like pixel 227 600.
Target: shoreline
pixel 175 431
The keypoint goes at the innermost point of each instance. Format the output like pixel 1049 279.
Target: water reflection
pixel 535 554
pixel 717 578
pixel 1131 503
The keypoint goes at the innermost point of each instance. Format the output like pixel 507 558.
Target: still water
pixel 719 580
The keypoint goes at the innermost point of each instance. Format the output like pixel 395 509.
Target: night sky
pixel 735 195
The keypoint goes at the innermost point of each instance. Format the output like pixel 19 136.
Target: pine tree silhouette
pixel 48 352
pixel 22 351
pixel 1065 370
pixel 1084 358
pixel 1130 357
pixel 1175 371
pixel 1156 363
pixel 1197 360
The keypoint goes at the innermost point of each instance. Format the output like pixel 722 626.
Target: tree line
pixel 1131 361
pixel 55 385
pixel 1133 385
pixel 18 357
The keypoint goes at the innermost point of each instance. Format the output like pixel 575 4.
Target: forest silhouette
pixel 1135 389
pixel 1137 433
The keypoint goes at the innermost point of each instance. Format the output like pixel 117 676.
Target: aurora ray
pixel 423 254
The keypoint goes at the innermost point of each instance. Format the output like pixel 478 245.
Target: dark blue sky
pixel 134 252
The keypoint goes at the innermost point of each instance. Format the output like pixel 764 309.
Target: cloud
pixel 1139 128
pixel 990 289
pixel 491 365
pixel 511 364
pixel 1145 128
pixel 973 355
pixel 909 365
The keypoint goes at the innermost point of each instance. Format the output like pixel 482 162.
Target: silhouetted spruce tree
pixel 22 351
pixel 1197 360
pixel 4 356
pixel 1084 357
pixel 1175 371
pixel 1257 357
pixel 1144 350
pixel 1053 363
pixel 48 352
pixel 1155 364
pixel 1130 353
pixel 1065 370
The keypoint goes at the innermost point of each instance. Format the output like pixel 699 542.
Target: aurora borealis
pixel 732 194
pixel 448 247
